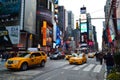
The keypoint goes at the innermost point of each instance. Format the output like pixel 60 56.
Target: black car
pixel 57 55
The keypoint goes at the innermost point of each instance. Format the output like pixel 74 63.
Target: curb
pixel 105 74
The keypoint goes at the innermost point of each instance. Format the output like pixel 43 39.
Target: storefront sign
pixel 14 34
pixel 3 33
pixel 44 30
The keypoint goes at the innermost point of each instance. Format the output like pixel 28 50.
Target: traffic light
pixel 77 25
pixel 31 36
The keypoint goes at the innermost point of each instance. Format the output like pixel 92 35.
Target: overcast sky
pixel 94 7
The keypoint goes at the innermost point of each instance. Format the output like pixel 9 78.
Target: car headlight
pixel 55 55
pixel 15 61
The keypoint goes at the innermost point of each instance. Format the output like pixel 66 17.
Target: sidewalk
pixel 105 74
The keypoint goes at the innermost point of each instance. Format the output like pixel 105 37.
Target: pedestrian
pixel 101 57
pixel 96 56
pixel 109 60
pixel 2 56
pixel 6 55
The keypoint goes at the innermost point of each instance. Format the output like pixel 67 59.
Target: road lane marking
pixel 28 72
pixel 79 67
pixel 69 66
pixel 89 67
pixel 97 68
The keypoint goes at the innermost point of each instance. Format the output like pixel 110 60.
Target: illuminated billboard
pixel 44 28
pixel 9 8
pixel 10 11
pixel 83 18
pixel 30 16
pixel 118 26
pixel 58 40
pixel 56 1
pixel 83 10
pixel 83 27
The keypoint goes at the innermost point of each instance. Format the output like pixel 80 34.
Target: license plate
pixel 9 65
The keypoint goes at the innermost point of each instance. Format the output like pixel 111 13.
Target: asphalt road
pixel 57 70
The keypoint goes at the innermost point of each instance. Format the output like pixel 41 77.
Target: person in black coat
pixel 101 54
pixel 96 55
pixel 109 60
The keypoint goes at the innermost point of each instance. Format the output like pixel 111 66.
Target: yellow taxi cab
pixel 67 57
pixel 78 59
pixel 91 55
pixel 27 59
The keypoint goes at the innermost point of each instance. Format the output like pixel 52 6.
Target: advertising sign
pixel 90 34
pixel 10 11
pixel 58 40
pixel 83 18
pixel 83 27
pixel 83 10
pixel 30 16
pixel 118 26
pixel 14 34
pixel 44 14
pixel 56 1
pixel 44 30
pixel 108 34
pixel 112 31
pixel 9 8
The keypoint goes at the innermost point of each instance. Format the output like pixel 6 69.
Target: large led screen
pixel 30 16
pixel 83 10
pixel 118 26
pixel 83 18
pixel 9 8
pixel 83 27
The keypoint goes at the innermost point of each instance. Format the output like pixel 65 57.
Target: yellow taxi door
pixel 38 57
pixel 33 59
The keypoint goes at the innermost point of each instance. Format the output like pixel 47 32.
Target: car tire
pixel 24 66
pixel 42 64
pixel 70 63
pixel 58 58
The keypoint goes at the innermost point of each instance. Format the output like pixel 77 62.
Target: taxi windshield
pixel 74 55
pixel 26 55
pixel 80 55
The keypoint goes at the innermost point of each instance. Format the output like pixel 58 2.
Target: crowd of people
pixel 6 55
pixel 107 58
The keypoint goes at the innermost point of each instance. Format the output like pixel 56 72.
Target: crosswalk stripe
pixel 85 67
pixel 78 67
pixel 68 67
pixel 97 68
pixel 88 68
